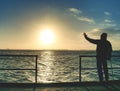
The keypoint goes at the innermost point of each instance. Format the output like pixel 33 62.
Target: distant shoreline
pixel 45 50
pixel 42 50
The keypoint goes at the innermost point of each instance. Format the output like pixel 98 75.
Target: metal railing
pixel 36 64
pixel 80 65
pixel 33 56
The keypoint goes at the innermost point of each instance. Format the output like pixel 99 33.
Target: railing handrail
pixel 19 55
pixel 95 56
pixel 80 66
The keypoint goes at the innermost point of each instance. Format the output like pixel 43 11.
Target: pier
pixel 112 85
pixel 68 86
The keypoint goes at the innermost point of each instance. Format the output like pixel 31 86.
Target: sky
pixel 22 21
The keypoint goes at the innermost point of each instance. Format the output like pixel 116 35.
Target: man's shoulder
pixel 108 43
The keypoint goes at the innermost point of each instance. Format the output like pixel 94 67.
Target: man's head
pixel 104 36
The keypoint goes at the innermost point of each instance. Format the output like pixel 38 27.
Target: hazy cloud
pixel 108 20
pixel 86 19
pixel 107 13
pixel 111 30
pixel 75 11
pixel 109 23
pixel 107 30
pixel 78 15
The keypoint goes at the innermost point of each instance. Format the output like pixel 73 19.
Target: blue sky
pixel 21 22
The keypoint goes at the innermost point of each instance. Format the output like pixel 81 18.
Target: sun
pixel 47 36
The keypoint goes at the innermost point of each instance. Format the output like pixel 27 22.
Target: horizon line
pixel 54 49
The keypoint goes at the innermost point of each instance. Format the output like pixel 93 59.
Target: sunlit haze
pixel 58 24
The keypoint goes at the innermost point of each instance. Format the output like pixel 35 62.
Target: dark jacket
pixel 104 47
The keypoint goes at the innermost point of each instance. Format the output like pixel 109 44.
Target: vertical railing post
pixel 36 68
pixel 79 68
pixel 111 69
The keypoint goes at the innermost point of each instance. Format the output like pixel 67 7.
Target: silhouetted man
pixel 104 50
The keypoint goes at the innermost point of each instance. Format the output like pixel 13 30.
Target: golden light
pixel 47 36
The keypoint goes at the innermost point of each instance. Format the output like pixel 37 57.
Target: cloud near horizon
pixel 108 21
pixel 110 31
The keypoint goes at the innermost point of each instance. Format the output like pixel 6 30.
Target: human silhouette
pixel 104 50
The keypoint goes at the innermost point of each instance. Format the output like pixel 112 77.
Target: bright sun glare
pixel 47 36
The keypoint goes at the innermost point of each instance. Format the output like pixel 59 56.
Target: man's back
pixel 104 49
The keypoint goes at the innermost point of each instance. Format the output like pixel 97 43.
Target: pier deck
pixel 67 86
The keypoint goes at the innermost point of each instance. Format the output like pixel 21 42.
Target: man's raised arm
pixel 89 39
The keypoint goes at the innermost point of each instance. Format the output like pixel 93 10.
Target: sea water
pixel 53 66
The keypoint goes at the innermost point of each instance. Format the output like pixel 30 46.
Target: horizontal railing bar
pixel 21 55
pixel 17 69
pixel 87 56
pixel 95 56
pixel 96 68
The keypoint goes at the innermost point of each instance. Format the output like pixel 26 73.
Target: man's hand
pixel 85 35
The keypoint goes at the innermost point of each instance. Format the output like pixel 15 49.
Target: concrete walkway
pixel 72 86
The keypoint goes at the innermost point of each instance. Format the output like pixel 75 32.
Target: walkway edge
pixel 61 84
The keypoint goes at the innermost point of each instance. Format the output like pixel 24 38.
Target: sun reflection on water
pixel 45 69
